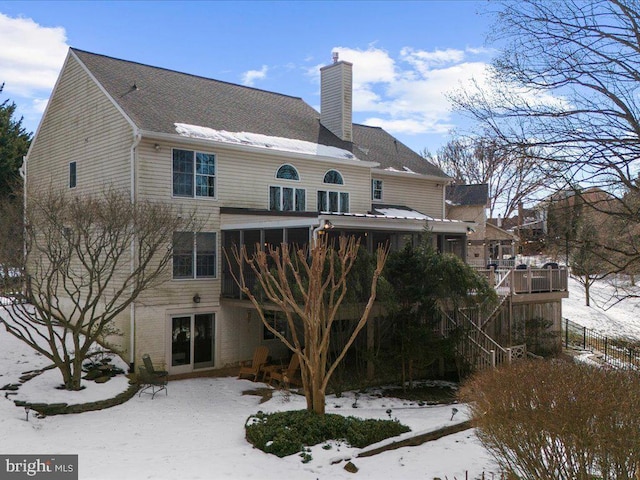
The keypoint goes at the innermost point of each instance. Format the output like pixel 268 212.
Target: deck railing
pixel 478 348
pixel 531 280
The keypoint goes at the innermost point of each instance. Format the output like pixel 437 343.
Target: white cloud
pixel 31 55
pixel 249 78
pixel 407 93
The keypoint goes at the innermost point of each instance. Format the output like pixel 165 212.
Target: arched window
pixel 333 176
pixel 287 172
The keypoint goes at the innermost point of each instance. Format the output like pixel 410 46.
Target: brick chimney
pixel 336 93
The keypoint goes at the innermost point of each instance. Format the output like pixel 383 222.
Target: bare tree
pixel 87 260
pixel 512 176
pixel 566 87
pixel 308 285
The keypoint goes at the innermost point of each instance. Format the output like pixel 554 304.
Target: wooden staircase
pixel 475 347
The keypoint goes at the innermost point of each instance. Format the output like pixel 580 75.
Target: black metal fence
pixel 614 352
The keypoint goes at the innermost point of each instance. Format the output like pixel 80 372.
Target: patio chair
pixel 289 375
pixel 259 360
pixel 151 380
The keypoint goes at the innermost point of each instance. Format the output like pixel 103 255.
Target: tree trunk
pixel 586 293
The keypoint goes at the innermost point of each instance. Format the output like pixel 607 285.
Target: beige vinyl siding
pixel 243 178
pixel 423 195
pixel 81 125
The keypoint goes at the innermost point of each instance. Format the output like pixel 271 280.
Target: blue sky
pixel 406 55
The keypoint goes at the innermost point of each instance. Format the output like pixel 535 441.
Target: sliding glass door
pixel 192 341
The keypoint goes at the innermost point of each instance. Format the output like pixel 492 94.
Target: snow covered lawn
pixel 615 320
pixel 197 431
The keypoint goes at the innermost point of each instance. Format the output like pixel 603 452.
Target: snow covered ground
pixel 197 430
pixel 615 320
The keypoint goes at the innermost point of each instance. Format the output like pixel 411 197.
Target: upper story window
pixel 194 174
pixel 334 202
pixel 287 199
pixel 73 178
pixel 333 176
pixel 287 172
pixel 376 189
pixel 194 255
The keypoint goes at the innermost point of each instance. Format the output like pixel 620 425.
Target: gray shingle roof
pixel 156 98
pixel 376 145
pixel 468 194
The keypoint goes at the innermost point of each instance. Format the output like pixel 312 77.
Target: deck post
pixel 493 358
pixel 508 356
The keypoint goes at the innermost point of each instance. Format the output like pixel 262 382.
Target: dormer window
pixel 333 176
pixel 287 172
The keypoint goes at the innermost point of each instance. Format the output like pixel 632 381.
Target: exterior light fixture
pixel 196 298
pixel 157 147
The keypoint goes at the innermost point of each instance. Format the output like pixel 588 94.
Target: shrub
pixel 558 420
pixel 286 433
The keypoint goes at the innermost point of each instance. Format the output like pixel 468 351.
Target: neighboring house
pixel 259 167
pixel 486 243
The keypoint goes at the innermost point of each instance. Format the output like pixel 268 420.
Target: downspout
pixel 132 308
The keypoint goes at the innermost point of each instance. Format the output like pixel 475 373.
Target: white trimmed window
pixel 194 255
pixel 194 174
pixel 376 189
pixel 287 172
pixel 287 199
pixel 332 200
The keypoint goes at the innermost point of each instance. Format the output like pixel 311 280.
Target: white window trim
pixel 282 197
pixel 344 182
pixel 194 261
pixel 276 177
pixel 339 192
pixel 373 190
pixel 215 176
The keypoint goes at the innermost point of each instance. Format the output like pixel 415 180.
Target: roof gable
pixel 156 99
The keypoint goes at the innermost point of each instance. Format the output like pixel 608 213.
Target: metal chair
pixel 151 380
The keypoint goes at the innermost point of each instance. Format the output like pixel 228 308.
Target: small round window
pixel 333 176
pixel 288 172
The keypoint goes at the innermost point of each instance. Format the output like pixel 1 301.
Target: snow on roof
pixel 404 170
pixel 262 141
pixel 392 212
